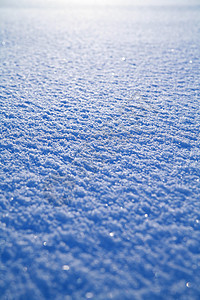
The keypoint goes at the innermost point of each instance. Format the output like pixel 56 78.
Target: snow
pixel 100 174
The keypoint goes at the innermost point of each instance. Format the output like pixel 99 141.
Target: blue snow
pixel 100 148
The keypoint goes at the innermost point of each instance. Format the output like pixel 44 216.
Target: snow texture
pixel 100 174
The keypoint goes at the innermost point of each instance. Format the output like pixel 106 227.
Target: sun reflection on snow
pixel 58 3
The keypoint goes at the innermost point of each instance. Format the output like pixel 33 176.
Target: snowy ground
pixel 100 173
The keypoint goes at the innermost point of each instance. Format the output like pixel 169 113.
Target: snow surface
pixel 100 174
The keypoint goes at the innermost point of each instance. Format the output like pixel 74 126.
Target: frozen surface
pixel 100 174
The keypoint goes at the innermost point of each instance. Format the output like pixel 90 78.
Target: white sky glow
pixel 61 3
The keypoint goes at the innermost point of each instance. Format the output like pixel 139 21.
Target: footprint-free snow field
pixel 99 165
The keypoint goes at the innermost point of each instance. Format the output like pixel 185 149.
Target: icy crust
pixel 100 154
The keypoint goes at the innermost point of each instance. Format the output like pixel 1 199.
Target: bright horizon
pixel 58 3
